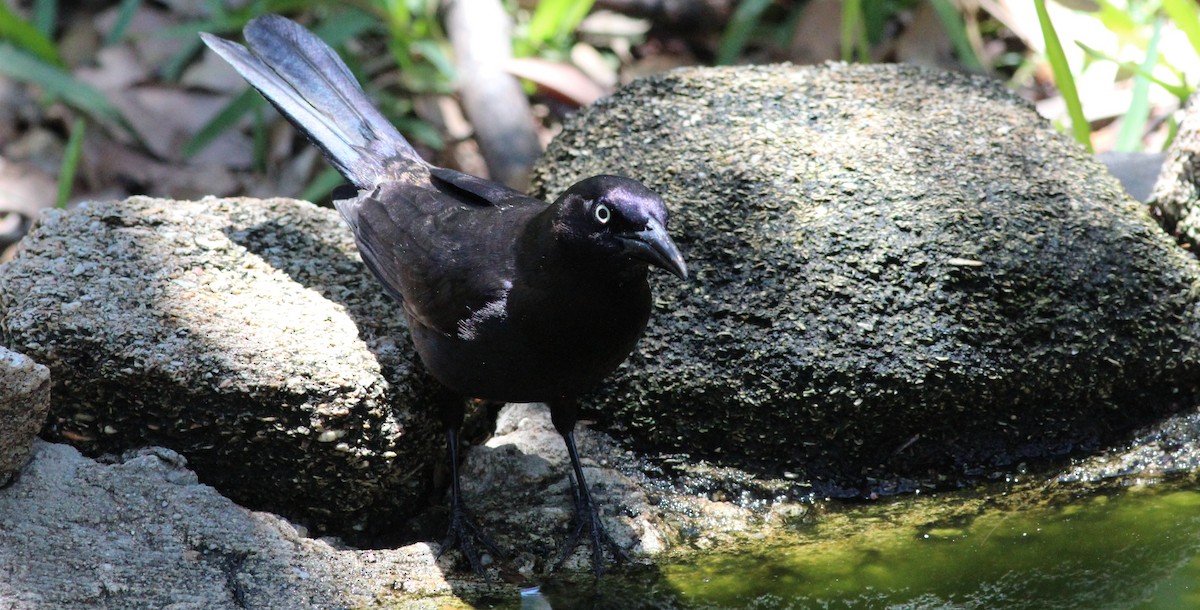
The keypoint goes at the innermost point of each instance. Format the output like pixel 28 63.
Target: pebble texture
pixel 24 403
pixel 900 277
pixel 1176 194
pixel 244 334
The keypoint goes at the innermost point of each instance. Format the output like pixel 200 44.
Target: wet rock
pixel 244 334
pixel 900 277
pixel 1165 448
pixel 24 403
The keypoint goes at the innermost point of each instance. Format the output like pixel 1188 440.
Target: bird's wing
pixel 485 192
pixel 446 258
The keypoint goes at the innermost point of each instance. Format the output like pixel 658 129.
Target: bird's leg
pixel 463 532
pixel 587 517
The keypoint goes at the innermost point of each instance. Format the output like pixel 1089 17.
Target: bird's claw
pixel 463 533
pixel 588 518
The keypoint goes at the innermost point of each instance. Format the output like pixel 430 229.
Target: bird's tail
pixel 302 77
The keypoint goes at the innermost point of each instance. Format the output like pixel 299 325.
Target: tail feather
pixel 310 85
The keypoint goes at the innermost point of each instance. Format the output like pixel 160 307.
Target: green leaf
pixel 554 20
pixel 953 24
pixel 322 185
pixel 1186 16
pixel 45 13
pixel 1180 90
pixel 125 14
pixel 59 83
pixel 70 164
pixel 1063 77
pixel 1117 20
pixel 745 19
pixel 27 37
pixel 224 120
pixel 1134 124
pixel 344 26
pixel 435 53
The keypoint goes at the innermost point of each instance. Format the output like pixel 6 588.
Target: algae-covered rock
pixel 244 334
pixel 897 273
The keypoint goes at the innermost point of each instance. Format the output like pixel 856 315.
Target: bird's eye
pixel 603 214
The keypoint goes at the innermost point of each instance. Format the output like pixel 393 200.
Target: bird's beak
pixel 654 246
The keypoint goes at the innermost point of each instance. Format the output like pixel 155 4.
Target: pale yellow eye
pixel 603 214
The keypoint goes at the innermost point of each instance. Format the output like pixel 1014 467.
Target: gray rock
pixel 517 483
pixel 900 276
pixel 142 533
pixel 244 334
pixel 1137 171
pixel 1177 192
pixel 24 403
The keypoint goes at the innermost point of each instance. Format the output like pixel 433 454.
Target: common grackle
pixel 507 298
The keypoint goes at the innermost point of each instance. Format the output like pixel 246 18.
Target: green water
pixel 1133 548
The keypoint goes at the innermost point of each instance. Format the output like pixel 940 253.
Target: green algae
pixel 1128 548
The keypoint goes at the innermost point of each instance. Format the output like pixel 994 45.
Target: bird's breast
pixel 530 346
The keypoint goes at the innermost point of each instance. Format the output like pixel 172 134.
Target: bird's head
pixel 615 217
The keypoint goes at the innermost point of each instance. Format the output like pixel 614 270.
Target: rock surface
pixel 140 532
pixel 24 404
pixel 1176 194
pixel 244 334
pixel 901 277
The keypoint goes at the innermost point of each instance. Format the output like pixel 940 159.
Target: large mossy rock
pixel 898 275
pixel 244 334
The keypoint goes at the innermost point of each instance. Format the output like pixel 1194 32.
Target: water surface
pixel 1031 547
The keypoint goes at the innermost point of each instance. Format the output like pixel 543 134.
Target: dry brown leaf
pixel 561 80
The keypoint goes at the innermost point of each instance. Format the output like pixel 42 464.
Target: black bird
pixel 508 298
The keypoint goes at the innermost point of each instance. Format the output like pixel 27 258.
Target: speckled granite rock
pixel 24 403
pixel 1176 194
pixel 901 277
pixel 244 334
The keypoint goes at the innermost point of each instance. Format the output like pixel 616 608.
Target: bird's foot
pixel 463 534
pixel 588 518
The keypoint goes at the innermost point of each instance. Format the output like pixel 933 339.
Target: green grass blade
pixel 45 13
pixel 854 35
pixel 26 36
pixel 1063 77
pixel 125 14
pixel 953 24
pixel 59 83
pixel 1186 16
pixel 70 164
pixel 745 19
pixel 224 120
pixel 260 139
pixel 322 185
pixel 1134 125
pixel 174 68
